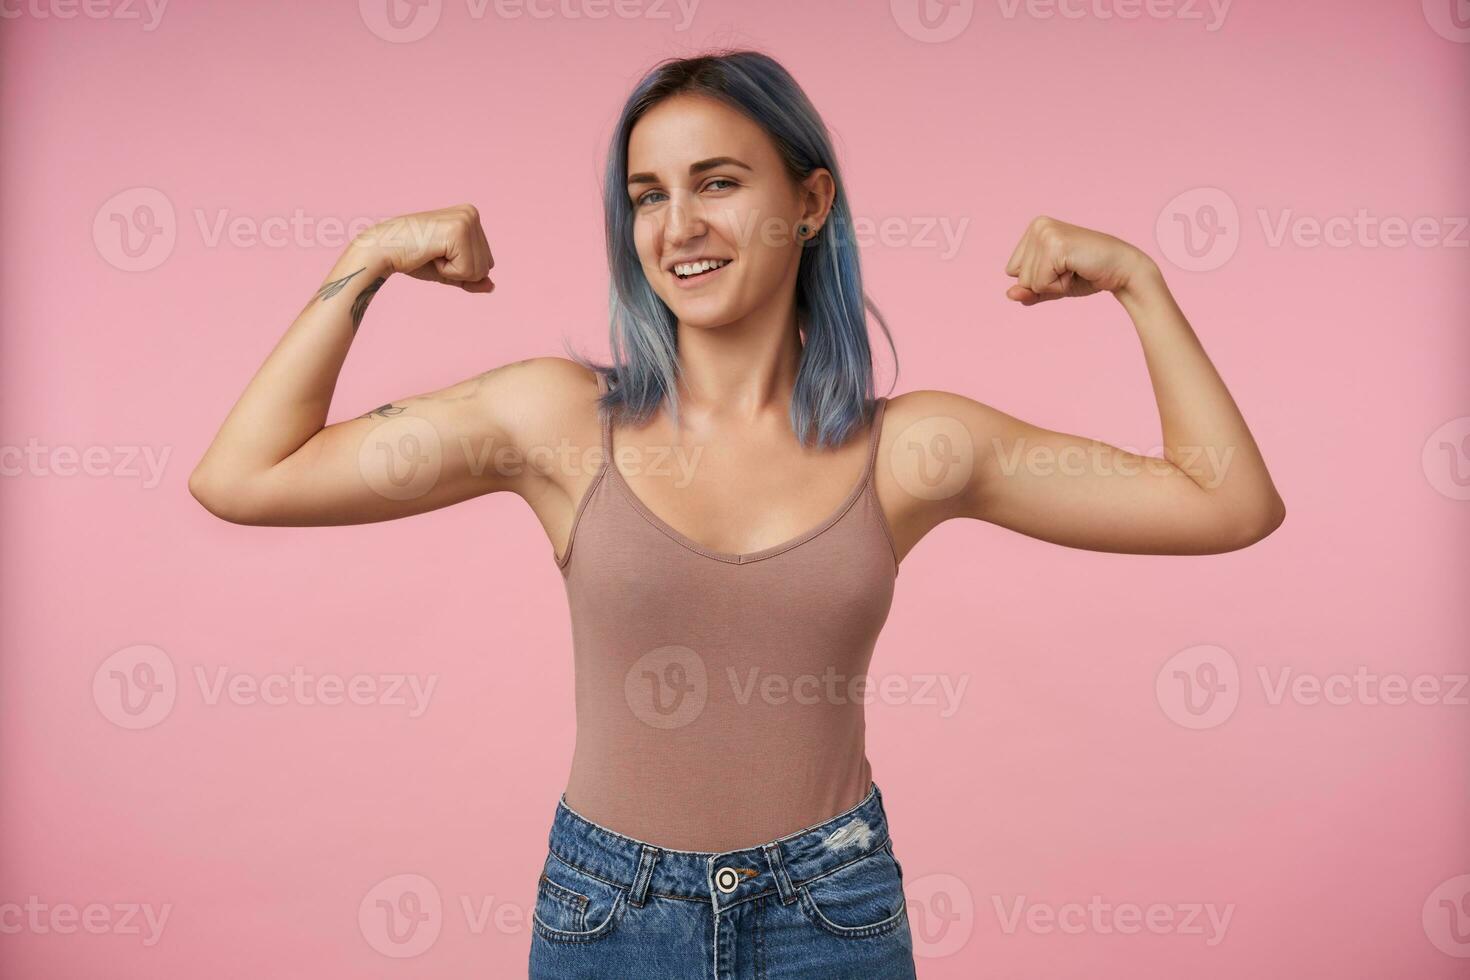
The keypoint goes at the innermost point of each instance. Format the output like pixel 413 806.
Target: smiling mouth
pixel 700 276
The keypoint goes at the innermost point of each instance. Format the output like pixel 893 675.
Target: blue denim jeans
pixel 825 903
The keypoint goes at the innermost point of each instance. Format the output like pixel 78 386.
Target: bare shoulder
pixel 912 406
pixel 544 409
pixel 932 452
pixel 935 413
pixel 540 389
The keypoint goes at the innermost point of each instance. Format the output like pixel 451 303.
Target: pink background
pixel 1333 835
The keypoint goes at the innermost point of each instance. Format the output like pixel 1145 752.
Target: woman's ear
pixel 821 194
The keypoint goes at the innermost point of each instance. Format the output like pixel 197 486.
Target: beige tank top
pixel 720 696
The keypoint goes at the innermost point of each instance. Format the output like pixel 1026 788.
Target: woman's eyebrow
pixel 694 168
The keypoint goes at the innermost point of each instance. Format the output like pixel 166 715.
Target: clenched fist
pixel 1055 259
pixel 447 245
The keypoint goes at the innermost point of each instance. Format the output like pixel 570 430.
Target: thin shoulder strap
pixel 606 421
pixel 874 434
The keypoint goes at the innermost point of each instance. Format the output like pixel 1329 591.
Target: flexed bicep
pixel 1085 493
pixel 951 456
pixel 1207 492
pixel 401 458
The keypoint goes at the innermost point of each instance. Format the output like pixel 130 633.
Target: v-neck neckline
pixel 741 558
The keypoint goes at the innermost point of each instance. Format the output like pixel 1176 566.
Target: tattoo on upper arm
pixel 471 386
pixel 360 305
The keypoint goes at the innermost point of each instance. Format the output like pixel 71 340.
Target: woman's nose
pixel 684 220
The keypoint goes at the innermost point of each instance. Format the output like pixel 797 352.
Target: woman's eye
pixel 709 186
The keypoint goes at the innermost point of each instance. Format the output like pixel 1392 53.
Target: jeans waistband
pixel 723 878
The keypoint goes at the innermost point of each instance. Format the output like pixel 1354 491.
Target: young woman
pixel 736 512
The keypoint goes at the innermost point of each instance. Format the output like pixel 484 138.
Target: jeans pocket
pixel 858 900
pixel 573 906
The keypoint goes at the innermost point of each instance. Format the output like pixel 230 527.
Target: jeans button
pixel 726 880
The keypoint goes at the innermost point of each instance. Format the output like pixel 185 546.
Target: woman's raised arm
pixel 1209 492
pixel 276 462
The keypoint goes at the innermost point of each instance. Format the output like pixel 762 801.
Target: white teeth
pixel 694 268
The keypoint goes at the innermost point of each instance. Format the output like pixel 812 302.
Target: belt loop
pixel 638 893
pixel 778 871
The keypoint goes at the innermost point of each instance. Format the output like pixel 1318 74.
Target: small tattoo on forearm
pixel 383 411
pixel 335 286
pixel 360 305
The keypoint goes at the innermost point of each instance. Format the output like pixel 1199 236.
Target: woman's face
pixel 705 182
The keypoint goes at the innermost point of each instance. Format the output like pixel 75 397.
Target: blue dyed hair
pixel 834 383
